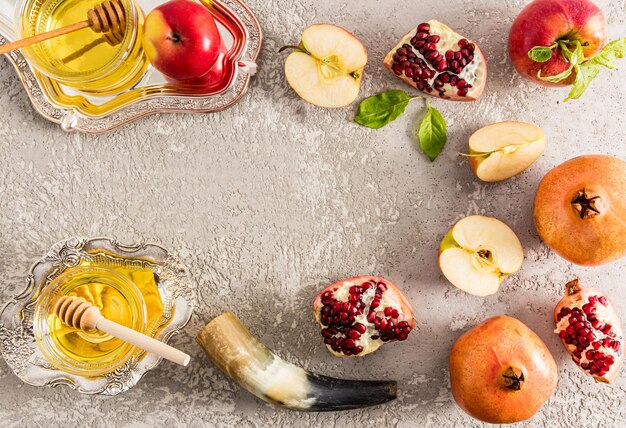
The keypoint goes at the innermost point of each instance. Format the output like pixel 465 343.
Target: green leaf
pixel 585 73
pixel 432 133
pixel 612 51
pixel 378 110
pixel 540 53
pixel 557 78
pixel 573 57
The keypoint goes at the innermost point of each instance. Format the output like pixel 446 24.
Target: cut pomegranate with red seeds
pixel 433 50
pixel 358 315
pixel 590 329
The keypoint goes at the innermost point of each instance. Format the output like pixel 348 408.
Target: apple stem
pixel 297 48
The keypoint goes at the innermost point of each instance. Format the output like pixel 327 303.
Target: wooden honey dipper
pixel 79 313
pixel 108 18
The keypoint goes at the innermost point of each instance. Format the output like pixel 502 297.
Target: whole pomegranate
pixel 358 315
pixel 590 330
pixel 436 60
pixel 580 209
pixel 501 371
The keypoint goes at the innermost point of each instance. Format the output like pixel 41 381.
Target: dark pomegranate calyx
pixel 590 330
pixel 586 204
pixel 436 60
pixel 358 315
pixel 513 379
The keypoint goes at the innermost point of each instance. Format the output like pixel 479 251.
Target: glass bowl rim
pixel 41 331
pixel 35 60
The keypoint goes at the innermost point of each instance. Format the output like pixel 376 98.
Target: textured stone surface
pixel 273 199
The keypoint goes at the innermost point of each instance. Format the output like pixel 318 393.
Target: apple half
pixel 504 149
pixel 478 252
pixel 326 68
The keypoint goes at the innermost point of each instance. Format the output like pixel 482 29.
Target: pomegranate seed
pixel 562 334
pixel 327 334
pixel 462 92
pixel 434 39
pixel 603 300
pixel 606 328
pixel 371 316
pixel 419 44
pixel 350 343
pixel 360 328
pixel 454 80
pixel 458 70
pixel 388 310
pixel 375 337
pixel 589 309
pixel 431 55
pixel 463 43
pixel 458 55
pixel 402 336
pixel 395 313
pixel 423 27
pixel 589 354
pixel 357 349
pixel 464 52
pixel 375 304
pixel 383 324
pixel 422 35
pixel 442 66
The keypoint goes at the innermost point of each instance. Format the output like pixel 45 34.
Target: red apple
pixel 546 22
pixel 181 39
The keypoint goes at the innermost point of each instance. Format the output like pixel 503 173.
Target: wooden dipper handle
pixel 78 313
pixel 107 17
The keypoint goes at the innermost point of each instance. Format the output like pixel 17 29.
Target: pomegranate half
pixel 358 315
pixel 501 371
pixel 436 60
pixel 590 329
pixel 580 209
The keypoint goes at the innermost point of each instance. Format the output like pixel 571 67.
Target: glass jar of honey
pixel 89 353
pixel 88 61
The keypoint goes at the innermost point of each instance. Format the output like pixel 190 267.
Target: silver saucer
pixel 17 340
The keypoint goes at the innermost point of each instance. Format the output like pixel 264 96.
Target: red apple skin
pixel 542 23
pixel 181 39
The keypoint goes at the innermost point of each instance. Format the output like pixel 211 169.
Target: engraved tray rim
pixel 73 121
pixel 17 341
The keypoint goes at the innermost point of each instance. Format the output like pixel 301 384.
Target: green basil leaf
pixel 612 51
pixel 432 133
pixel 378 110
pixel 585 73
pixel 540 53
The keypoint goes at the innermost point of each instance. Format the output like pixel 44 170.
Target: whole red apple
pixel 181 39
pixel 546 22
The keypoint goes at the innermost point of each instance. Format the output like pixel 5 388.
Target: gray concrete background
pixel 271 200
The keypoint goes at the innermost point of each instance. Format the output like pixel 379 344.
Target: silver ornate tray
pixel 17 341
pixel 240 31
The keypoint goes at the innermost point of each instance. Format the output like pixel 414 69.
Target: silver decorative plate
pixel 17 340
pixel 241 34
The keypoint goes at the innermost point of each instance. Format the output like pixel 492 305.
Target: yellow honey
pixel 104 289
pixel 84 59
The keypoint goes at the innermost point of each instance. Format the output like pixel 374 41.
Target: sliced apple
pixel 326 68
pixel 502 150
pixel 478 252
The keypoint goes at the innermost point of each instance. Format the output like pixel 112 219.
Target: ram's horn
pixel 256 368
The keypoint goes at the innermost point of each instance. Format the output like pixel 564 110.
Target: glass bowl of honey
pixel 87 61
pixel 89 353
